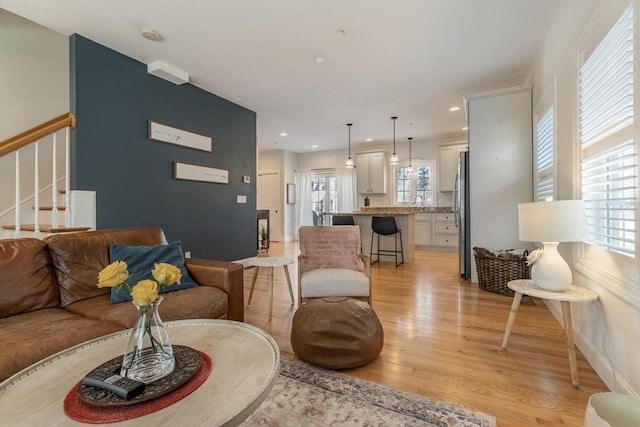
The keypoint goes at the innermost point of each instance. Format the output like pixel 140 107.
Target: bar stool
pixel 342 220
pixel 386 226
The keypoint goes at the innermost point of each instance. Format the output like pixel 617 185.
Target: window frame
pixel 415 164
pixel 616 272
pixel 547 102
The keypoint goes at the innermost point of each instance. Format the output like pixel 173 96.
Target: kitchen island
pixel 405 221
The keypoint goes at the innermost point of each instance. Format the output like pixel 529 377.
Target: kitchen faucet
pixel 421 200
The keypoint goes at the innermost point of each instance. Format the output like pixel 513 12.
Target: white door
pixel 269 197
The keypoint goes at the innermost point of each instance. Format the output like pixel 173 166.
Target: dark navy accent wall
pixel 113 98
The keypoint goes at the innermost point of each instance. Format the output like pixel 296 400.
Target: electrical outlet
pixel 187 254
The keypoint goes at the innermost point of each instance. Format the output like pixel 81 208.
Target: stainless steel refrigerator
pixel 461 214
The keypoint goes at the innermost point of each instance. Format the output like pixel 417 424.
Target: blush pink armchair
pixel 331 264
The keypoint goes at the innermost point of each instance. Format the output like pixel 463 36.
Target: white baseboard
pixel 599 361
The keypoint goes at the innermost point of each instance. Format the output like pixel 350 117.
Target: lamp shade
pixel 349 163
pixel 555 221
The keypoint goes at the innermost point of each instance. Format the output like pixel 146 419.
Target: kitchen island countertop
pixel 400 210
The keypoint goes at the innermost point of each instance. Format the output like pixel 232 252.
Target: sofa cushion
pixel 79 257
pixel 202 302
pixel 27 282
pixel 32 336
pixel 140 261
pixel 334 282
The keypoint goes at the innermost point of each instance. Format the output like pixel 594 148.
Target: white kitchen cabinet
pixel 449 156
pixel 371 170
pixel 424 227
pixel 446 232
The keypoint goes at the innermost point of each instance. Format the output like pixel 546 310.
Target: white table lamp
pixel 552 223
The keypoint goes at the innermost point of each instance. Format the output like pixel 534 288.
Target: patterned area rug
pixel 305 395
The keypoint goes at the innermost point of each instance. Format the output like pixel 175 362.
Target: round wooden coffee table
pixel 246 362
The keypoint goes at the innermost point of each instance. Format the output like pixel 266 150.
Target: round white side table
pixel 270 262
pixel 571 294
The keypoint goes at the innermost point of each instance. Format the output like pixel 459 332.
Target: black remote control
pixel 121 386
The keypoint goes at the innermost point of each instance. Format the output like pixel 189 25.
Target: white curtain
pixel 346 187
pixel 304 213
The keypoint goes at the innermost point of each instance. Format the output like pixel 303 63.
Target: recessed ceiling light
pixel 319 58
pixel 465 128
pixel 369 139
pixel 150 34
pixel 314 146
pixel 283 134
pixel 454 108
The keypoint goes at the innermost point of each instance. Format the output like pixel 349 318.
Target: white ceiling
pixel 408 58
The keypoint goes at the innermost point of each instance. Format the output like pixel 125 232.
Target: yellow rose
pixel 166 274
pixel 144 292
pixel 113 275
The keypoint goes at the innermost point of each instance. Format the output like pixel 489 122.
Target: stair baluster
pixel 67 179
pixel 54 183
pixel 84 199
pixel 36 189
pixel 17 196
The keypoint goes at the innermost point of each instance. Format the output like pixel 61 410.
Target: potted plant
pixel 264 236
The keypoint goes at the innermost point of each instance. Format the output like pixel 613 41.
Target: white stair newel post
pixel 17 196
pixel 36 190
pixel 67 178
pixel 54 186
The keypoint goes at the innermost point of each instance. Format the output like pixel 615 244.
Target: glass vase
pixel 149 355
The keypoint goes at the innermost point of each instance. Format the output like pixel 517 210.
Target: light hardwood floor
pixel 443 340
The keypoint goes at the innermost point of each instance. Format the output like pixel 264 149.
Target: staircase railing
pixel 33 136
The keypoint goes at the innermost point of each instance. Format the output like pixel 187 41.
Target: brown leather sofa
pixel 49 300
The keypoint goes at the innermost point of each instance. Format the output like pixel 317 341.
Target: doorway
pixel 324 197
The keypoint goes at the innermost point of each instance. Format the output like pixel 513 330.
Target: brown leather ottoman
pixel 336 333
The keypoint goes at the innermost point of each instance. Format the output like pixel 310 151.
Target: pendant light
pixel 394 157
pixel 349 163
pixel 410 168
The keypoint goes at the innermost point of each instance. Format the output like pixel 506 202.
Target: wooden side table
pixel 572 294
pixel 270 262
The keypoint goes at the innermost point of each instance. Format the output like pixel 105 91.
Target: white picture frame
pixel 291 194
pixel 171 135
pixel 190 172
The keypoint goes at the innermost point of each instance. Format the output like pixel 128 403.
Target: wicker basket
pixel 496 270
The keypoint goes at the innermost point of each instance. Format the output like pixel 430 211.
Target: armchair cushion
pixel 334 282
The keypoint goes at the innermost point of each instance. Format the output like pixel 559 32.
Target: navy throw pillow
pixel 140 260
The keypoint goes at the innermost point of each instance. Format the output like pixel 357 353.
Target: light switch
pixel 241 199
